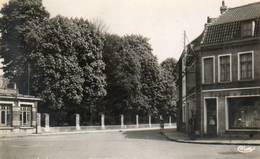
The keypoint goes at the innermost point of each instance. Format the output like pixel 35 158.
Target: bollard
pixel 103 121
pixel 150 121
pixel 137 121
pixel 170 121
pixel 77 122
pixel 38 128
pixel 47 122
pixel 122 121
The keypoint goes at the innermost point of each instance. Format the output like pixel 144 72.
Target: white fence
pixel 78 127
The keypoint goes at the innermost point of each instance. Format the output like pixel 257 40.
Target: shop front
pixel 243 113
pixel 230 111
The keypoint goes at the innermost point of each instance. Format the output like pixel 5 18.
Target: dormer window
pixel 248 29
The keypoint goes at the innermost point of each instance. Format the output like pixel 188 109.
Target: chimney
pixel 223 8
pixel 209 20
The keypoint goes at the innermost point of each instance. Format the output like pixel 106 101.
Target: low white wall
pixel 108 127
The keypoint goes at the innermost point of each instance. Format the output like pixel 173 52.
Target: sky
pixel 162 21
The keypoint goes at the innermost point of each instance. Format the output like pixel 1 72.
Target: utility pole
pixel 184 107
pixel 184 41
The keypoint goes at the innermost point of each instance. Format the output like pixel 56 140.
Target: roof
pixel 227 27
pixel 13 94
pixel 241 13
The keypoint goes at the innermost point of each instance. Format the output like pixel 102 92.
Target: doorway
pixel 211 117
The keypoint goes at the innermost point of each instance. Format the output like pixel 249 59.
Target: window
pixel 244 113
pixel 208 71
pixel 5 115
pixel 246 66
pixel 247 29
pixel 26 115
pixel 225 68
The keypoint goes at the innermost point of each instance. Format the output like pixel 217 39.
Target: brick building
pixel 219 75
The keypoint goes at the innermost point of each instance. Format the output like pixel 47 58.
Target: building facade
pixel 18 112
pixel 219 75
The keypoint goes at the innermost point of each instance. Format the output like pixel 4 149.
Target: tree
pixel 150 76
pixel 123 76
pixel 55 74
pixel 168 71
pixel 89 45
pixel 99 26
pixel 15 17
pixel 169 66
pixel 67 67
pixel 133 76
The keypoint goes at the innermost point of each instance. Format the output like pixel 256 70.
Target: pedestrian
pixel 192 127
pixel 161 123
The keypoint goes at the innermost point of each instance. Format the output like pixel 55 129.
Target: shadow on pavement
pixel 145 135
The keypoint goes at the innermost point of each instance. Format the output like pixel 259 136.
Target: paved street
pixel 114 145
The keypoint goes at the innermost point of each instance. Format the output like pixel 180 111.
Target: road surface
pixel 114 145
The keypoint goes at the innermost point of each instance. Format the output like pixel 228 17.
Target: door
pixel 211 107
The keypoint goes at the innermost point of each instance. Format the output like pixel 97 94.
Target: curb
pixel 78 132
pixel 207 143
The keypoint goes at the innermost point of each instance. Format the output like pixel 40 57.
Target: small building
pixel 219 75
pixel 17 112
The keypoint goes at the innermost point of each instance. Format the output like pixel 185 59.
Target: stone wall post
pixel 122 121
pixel 150 121
pixel 34 114
pixel 38 123
pixel 47 122
pixel 137 120
pixel 77 122
pixel 103 121
pixel 170 121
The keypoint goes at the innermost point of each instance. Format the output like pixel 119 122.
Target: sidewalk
pixel 18 135
pixel 173 135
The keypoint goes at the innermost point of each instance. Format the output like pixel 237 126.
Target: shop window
pixel 246 66
pixel 225 68
pixel 244 113
pixel 26 115
pixel 248 29
pixel 208 70
pixel 5 115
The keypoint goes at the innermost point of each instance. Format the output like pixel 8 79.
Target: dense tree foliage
pixel 133 76
pixel 90 44
pixel 123 76
pixel 168 71
pixel 15 17
pixel 66 59
pixel 150 78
